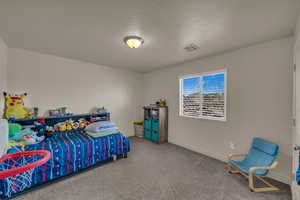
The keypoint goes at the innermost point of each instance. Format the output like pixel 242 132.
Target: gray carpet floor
pixel 156 172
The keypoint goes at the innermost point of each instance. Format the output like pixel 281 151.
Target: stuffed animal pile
pixel 25 135
pixel 68 125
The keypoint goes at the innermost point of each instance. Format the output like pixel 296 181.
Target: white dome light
pixel 133 41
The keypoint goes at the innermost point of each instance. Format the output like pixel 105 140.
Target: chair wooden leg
pixel 264 189
pixel 228 168
pixel 251 184
pixel 232 170
pixel 250 177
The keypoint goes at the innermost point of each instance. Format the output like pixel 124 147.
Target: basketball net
pixel 16 170
pixel 18 182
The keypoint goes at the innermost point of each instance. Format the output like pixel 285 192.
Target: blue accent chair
pixel 260 159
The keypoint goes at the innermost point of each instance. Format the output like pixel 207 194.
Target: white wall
pixel 3 74
pixel 297 33
pixel 53 82
pixel 296 105
pixel 259 102
pixel 296 109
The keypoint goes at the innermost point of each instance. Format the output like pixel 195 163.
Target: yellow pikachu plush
pixel 15 106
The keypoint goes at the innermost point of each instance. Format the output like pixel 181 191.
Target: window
pixel 204 95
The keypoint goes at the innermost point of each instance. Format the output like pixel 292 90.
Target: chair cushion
pixel 244 167
pixel 265 146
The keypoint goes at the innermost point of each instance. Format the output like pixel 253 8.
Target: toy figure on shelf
pixel 102 110
pixel 162 102
pixel 15 106
pixel 59 112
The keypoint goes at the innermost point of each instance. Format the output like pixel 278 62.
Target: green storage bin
pixel 155 125
pixel 147 124
pixel 155 136
pixel 147 134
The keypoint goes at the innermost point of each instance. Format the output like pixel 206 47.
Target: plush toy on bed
pixel 83 123
pixel 40 127
pixel 75 125
pixel 16 133
pixel 69 125
pixel 32 138
pixel 15 106
pixel 62 126
pixel 50 129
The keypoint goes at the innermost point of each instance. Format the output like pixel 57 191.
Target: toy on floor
pixel 15 106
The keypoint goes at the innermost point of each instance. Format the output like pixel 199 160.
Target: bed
pixel 71 152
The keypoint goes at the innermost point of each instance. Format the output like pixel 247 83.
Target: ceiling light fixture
pixel 133 41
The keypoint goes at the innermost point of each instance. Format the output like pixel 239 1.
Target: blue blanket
pixel 72 151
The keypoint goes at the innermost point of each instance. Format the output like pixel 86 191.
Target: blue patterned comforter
pixel 72 151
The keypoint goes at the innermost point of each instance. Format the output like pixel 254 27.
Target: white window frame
pixel 223 71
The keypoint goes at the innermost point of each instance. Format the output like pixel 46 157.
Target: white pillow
pixel 3 136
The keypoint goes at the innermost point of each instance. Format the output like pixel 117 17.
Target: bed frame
pixel 50 121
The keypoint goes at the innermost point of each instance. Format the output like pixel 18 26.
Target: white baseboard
pixel 284 178
pixel 201 151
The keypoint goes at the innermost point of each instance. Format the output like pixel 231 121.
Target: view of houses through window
pixel 203 95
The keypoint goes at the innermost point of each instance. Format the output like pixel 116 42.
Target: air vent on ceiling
pixel 191 47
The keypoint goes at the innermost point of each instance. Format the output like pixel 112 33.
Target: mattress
pixel 72 151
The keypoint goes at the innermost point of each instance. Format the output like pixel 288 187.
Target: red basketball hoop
pixel 16 169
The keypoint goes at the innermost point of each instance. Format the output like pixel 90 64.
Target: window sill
pixel 207 118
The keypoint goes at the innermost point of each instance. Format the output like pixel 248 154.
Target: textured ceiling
pixel 93 30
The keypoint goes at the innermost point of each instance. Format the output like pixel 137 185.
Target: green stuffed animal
pixel 13 128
